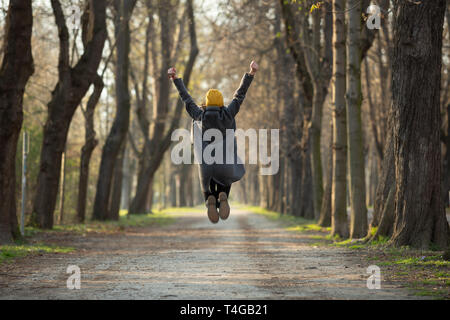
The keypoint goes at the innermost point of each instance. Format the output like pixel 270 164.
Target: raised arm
pixel 194 111
pixel 239 95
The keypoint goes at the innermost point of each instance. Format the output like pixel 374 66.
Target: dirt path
pixel 246 257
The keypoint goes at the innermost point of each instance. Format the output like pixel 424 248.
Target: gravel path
pixel 245 257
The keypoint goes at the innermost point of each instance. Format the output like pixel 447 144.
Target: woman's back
pixel 217 118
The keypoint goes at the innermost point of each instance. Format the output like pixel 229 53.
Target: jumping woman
pixel 216 178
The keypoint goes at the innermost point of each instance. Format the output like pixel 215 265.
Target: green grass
pixel 9 252
pixel 435 287
pixel 425 272
pixel 336 241
pixel 373 231
pixel 356 244
pixel 443 275
pixel 437 294
pixel 434 260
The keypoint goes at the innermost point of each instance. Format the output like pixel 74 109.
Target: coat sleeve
pixel 239 95
pixel 194 111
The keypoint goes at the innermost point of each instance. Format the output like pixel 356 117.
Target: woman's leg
pixel 224 207
pixel 222 188
pixel 214 187
pixel 211 202
pixel 211 190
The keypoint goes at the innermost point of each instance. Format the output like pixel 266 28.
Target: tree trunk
pixel 73 83
pixel 62 188
pixel 160 141
pixel 128 172
pixel 319 68
pixel 446 167
pixel 139 202
pixel 189 189
pixel 179 191
pixel 142 106
pixel 295 186
pixel 286 95
pixel 287 194
pixel 385 98
pixel 373 172
pixel 372 115
pixel 301 204
pixel 277 191
pixel 306 199
pixel 173 189
pixel 325 211
pixel 294 130
pixel 253 184
pixel 90 142
pixel 198 200
pixel 160 113
pixel 119 129
pixel 357 183
pixel 149 202
pixel 383 214
pixel 164 186
pixel 316 165
pixel 16 69
pixel 262 182
pixel 339 187
pixel 184 185
pixel 446 135
pixel 419 213
pixel 116 192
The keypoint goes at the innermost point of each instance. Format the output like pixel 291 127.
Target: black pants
pixel 216 188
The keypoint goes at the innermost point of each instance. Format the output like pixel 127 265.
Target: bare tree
pixel 73 83
pixel 339 224
pixel 117 135
pixel 160 139
pixel 445 135
pixel 383 213
pixel 302 200
pixel 419 213
pixel 89 146
pixel 16 69
pixel 318 57
pixel 325 211
pixel 357 184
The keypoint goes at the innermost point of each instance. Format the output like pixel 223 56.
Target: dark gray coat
pixel 220 118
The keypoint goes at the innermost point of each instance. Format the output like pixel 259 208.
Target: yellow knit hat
pixel 214 98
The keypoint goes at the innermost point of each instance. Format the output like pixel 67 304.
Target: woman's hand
pixel 253 68
pixel 172 73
